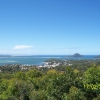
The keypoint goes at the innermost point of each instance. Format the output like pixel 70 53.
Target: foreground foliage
pixel 69 84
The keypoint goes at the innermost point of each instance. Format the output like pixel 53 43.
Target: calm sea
pixel 37 60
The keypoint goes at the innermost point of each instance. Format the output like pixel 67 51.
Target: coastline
pixel 39 59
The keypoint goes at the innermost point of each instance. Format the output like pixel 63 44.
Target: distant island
pixel 76 55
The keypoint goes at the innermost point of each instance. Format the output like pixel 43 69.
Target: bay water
pixel 38 59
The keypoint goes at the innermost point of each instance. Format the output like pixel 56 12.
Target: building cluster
pixel 55 64
pixel 47 64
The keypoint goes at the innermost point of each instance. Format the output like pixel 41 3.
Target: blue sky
pixel 49 27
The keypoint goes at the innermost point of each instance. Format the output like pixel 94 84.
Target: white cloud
pixel 22 47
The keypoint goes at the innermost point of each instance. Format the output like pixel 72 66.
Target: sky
pixel 50 27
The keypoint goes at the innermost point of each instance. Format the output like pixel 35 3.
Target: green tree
pixel 74 94
pixel 20 75
pixel 92 78
pixel 34 73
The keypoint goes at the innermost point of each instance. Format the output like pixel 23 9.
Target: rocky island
pixel 76 55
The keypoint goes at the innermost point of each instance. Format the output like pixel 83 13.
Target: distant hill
pixel 6 55
pixel 97 56
pixel 2 55
pixel 76 55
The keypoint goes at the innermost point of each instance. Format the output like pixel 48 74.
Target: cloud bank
pixel 22 47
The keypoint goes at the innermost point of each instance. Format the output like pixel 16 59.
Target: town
pixel 51 63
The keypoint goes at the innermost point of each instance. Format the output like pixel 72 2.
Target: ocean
pixel 38 59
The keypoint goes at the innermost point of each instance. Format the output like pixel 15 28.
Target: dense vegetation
pixel 59 83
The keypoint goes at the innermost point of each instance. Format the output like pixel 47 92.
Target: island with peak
pixel 76 55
